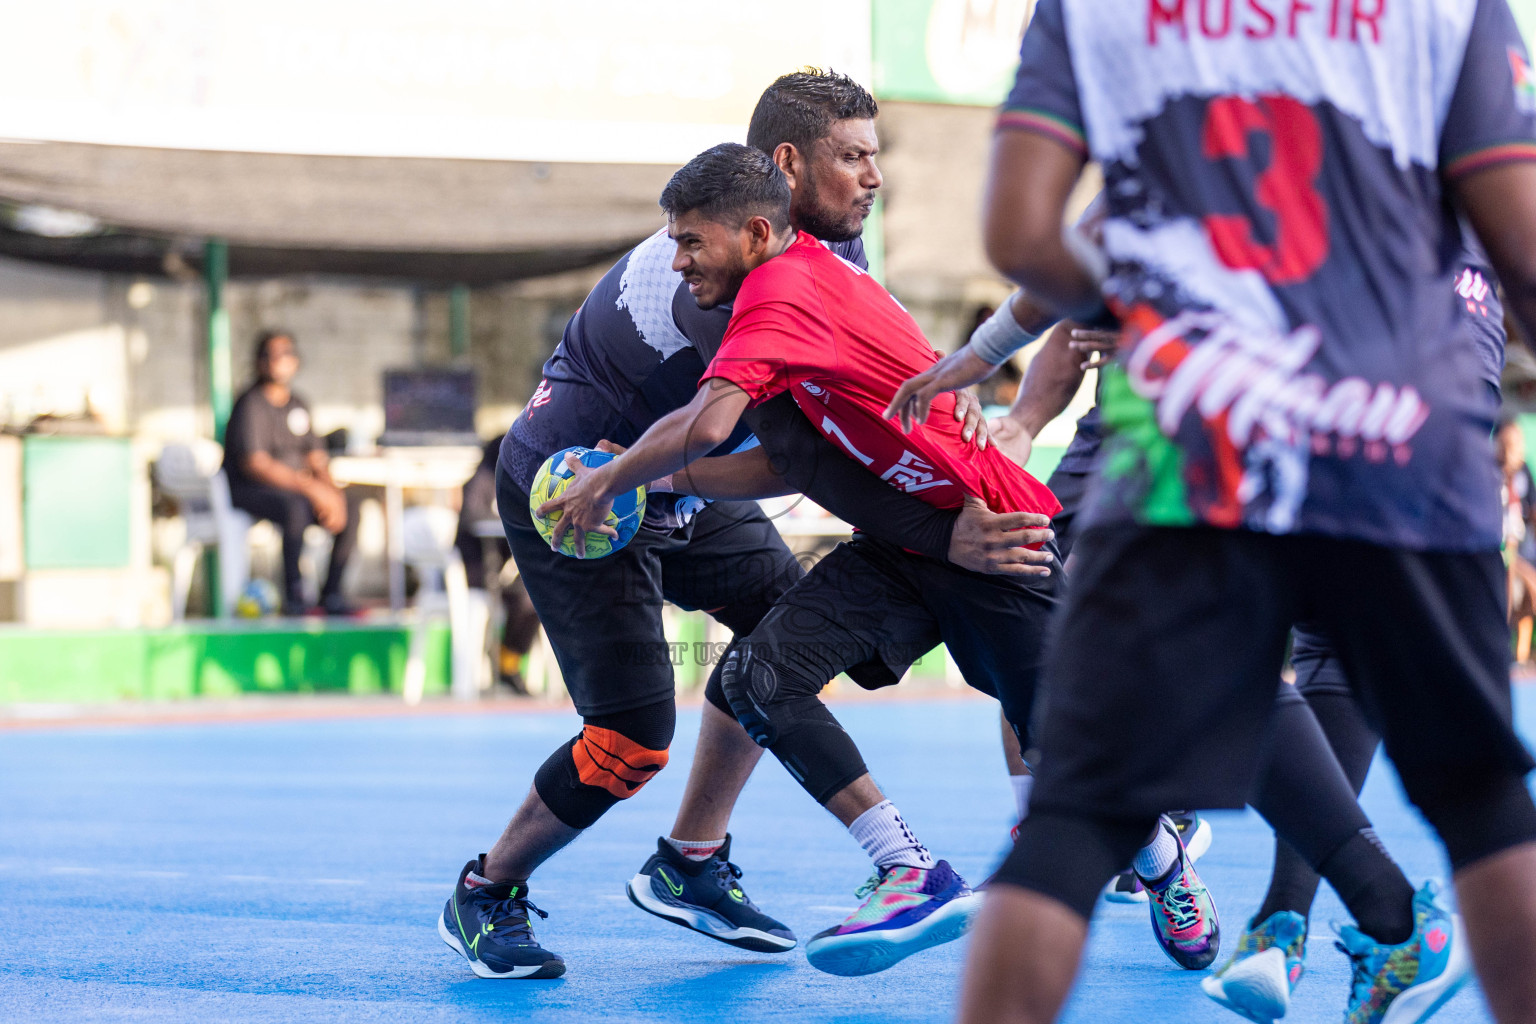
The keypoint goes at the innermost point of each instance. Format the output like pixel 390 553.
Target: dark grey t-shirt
pixel 256 425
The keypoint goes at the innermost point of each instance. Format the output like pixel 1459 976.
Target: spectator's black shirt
pixel 256 425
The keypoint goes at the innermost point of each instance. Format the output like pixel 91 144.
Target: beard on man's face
pixel 732 274
pixel 828 226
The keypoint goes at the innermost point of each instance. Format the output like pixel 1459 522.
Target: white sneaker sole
pixel 1200 842
pixel 1257 988
pixel 1419 1002
pixel 703 922
pixel 869 952
pixel 480 969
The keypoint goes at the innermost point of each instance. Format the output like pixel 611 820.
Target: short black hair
pixel 729 183
pixel 267 337
pixel 801 107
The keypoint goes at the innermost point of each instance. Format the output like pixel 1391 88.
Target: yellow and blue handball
pixel 553 478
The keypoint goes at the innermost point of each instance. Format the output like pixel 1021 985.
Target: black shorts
pixel 1071 489
pixel 870 600
pixel 603 616
pixel 1163 676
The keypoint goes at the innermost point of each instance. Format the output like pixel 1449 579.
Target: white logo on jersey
pixel 912 474
pixel 541 394
pixel 298 421
pixel 1471 285
pixel 1256 381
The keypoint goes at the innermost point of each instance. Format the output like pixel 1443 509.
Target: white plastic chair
pixel 202 491
pixel 428 532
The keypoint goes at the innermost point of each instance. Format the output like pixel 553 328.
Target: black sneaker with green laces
pixel 707 897
pixel 491 926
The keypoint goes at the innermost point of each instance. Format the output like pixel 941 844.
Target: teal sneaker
pixel 1259 979
pixel 1184 921
pixel 1406 983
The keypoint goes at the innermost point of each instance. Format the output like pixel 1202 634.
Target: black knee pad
pixel 782 712
pixel 1478 810
pixel 750 684
pixel 714 687
pixel 610 760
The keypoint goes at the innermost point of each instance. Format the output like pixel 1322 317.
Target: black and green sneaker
pixel 491 926
pixel 706 896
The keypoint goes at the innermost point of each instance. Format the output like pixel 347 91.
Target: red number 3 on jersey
pixel 1287 187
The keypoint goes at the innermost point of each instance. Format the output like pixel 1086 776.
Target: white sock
pixel 1154 860
pixel 887 839
pixel 475 880
pixel 1022 784
pixel 696 849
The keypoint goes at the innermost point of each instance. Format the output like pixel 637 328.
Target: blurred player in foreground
pixel 1320 729
pixel 1297 430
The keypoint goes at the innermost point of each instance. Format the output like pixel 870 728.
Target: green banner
pixel 947 51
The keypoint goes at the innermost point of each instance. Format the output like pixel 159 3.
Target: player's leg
pixel 859 602
pixel 1308 798
pixel 1070 485
pixel 1020 778
pixel 735 566
pixel 1424 638
pixel 1320 682
pixel 997 628
pixel 1141 666
pixel 603 618
pixel 1264 985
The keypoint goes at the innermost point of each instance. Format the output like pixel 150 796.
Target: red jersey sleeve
pixel 779 332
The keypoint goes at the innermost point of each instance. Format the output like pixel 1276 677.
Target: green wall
pixel 212 661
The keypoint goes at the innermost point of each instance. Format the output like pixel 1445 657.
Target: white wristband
pixel 1000 336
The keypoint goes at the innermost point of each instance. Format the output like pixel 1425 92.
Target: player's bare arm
pixel 670 444
pixel 965 366
pixel 1027 190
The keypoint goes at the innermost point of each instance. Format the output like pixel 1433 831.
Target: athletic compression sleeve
pixel 813 466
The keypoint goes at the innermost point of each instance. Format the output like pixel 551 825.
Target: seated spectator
pixel 278 470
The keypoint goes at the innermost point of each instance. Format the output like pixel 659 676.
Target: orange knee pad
pixel 613 762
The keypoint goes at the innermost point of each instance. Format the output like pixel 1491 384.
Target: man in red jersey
pixel 808 323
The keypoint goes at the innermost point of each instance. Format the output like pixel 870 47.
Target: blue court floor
pixel 291 871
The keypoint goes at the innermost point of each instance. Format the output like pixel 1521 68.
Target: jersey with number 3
pixel 1282 250
pixel 813 324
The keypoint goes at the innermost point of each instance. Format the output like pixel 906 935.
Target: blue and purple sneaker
pixel 905 910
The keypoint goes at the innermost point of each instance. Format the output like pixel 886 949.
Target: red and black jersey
pixel 813 324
